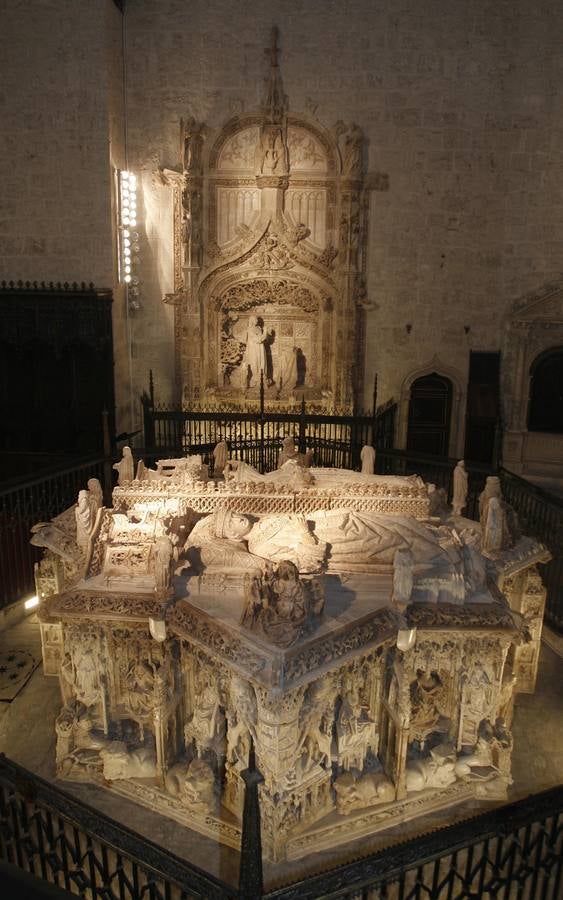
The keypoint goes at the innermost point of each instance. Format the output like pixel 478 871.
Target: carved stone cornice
pixel 173 299
pixel 273 667
pixel 281 182
pixel 170 177
pixel 90 605
pixel 479 616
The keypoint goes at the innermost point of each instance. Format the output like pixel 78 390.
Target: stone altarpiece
pixel 270 227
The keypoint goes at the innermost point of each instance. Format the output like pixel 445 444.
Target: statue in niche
pixel 460 488
pixel 86 678
pixel 271 152
pixel 163 563
pixel 427 704
pixel 288 369
pixel 355 730
pixel 125 468
pixel 280 605
pixel 475 703
pixel 208 725
pixel 241 718
pixel 254 359
pixel 352 152
pixel 192 145
pixel 139 683
pixel 403 578
pixel 232 350
pixel 67 678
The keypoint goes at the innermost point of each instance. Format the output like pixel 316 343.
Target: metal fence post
pixel 108 480
pixel 262 458
pixel 251 882
pixel 303 427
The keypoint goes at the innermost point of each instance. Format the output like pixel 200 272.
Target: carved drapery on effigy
pixel 269 193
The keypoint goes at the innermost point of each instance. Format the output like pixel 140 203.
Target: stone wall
pixel 459 103
pixel 459 109
pixel 62 135
pixel 56 189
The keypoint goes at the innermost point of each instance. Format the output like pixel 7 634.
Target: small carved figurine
pixel 163 563
pixel 281 605
pixel 85 519
pixel 125 467
pixel 367 457
pixel 403 565
pixel 220 457
pixel 96 493
pixel 460 488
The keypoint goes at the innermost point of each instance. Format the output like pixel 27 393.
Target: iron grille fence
pixel 541 514
pixel 50 834
pixel 335 441
pixel 513 851
pixel 24 505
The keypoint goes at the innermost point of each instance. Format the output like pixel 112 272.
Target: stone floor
pixel 27 736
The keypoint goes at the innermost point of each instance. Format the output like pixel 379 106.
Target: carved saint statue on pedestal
pixel 255 354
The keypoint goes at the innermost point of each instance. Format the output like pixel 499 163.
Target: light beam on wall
pixel 128 237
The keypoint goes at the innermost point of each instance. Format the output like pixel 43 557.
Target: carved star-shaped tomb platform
pixel 357 617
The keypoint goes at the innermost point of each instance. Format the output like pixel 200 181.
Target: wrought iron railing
pixel 256 434
pixel 513 851
pixel 541 514
pixel 49 833
pixel 24 504
pixel 435 470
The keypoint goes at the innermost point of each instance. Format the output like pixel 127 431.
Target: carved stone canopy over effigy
pixel 270 228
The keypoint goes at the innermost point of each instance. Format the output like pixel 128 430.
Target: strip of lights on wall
pixel 128 237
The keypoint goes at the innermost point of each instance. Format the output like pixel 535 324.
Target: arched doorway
pixel 430 409
pixel 545 411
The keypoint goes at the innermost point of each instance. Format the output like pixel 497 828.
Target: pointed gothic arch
pixel 456 397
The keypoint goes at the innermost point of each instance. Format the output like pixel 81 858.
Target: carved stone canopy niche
pixel 270 226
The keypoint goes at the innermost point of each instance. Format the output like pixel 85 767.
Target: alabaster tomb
pixel 364 639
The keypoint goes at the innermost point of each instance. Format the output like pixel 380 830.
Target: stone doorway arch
pixel 430 410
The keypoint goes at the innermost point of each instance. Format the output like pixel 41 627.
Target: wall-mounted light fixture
pixel 128 236
pixel 408 327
